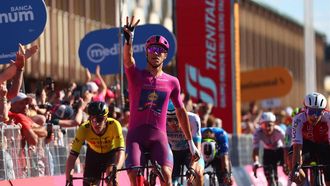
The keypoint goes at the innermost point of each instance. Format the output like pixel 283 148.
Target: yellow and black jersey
pixel 111 139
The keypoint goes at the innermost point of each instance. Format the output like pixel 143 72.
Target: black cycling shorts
pixel 96 163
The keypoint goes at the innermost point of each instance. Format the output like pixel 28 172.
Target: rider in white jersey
pixel 179 145
pixel 272 137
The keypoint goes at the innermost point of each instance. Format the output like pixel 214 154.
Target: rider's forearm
pixel 184 122
pixel 120 158
pixel 128 55
pixel 296 155
pixel 70 165
pixel 255 155
pixel 225 164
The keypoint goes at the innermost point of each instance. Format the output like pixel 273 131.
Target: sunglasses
pixel 97 119
pixel 314 112
pixel 157 49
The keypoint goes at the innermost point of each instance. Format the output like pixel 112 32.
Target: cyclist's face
pixel 173 123
pixel 98 123
pixel 156 54
pixel 208 135
pixel 313 115
pixel 268 127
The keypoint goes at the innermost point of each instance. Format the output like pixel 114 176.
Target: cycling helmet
pixel 157 40
pixel 315 100
pixel 171 110
pixel 97 108
pixel 267 117
pixel 208 150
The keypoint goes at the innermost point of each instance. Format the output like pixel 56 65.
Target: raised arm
pixel 129 36
pixel 103 86
pixel 88 75
pixel 21 56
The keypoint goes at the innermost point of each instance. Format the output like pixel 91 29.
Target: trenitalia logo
pixel 96 52
pixel 18 14
pixel 195 81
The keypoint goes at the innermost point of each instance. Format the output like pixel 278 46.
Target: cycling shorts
pixel 96 163
pixel 146 138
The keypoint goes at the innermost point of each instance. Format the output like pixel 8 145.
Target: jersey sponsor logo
pixel 151 99
pixel 76 140
pixel 294 133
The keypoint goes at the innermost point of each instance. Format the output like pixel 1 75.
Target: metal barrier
pixel 47 158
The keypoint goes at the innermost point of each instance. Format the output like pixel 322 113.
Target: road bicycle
pixel 273 181
pixel 152 172
pixel 190 172
pixel 147 174
pixel 91 181
pixel 212 177
pixel 314 173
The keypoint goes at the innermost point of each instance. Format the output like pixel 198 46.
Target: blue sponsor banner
pixel 101 47
pixel 21 21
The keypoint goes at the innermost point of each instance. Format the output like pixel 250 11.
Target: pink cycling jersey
pixel 149 97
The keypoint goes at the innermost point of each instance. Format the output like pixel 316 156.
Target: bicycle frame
pixel 189 172
pixel 315 172
pixel 93 181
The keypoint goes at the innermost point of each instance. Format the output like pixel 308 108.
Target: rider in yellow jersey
pixel 105 144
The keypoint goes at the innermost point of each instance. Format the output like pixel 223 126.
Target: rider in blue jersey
pixel 215 151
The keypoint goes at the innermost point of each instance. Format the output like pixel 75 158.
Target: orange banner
pixel 265 83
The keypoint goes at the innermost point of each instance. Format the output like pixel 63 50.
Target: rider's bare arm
pixel 70 165
pixel 128 55
pixel 255 155
pixel 129 35
pixel 184 122
pixel 225 163
pixel 297 154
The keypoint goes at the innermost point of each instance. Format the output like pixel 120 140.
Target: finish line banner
pixel 204 57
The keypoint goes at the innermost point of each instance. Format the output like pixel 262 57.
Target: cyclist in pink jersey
pixel 149 94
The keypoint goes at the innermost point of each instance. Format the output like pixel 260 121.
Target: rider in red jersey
pixel 311 136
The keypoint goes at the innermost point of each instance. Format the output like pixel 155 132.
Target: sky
pixel 295 10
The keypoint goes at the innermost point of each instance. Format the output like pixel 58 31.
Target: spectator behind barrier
pixel 97 86
pixel 30 130
pixel 6 161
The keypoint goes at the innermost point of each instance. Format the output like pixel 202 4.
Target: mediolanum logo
pixel 17 14
pixel 21 21
pixel 96 52
pixel 102 47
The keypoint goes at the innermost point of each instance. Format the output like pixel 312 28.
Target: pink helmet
pixel 157 40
